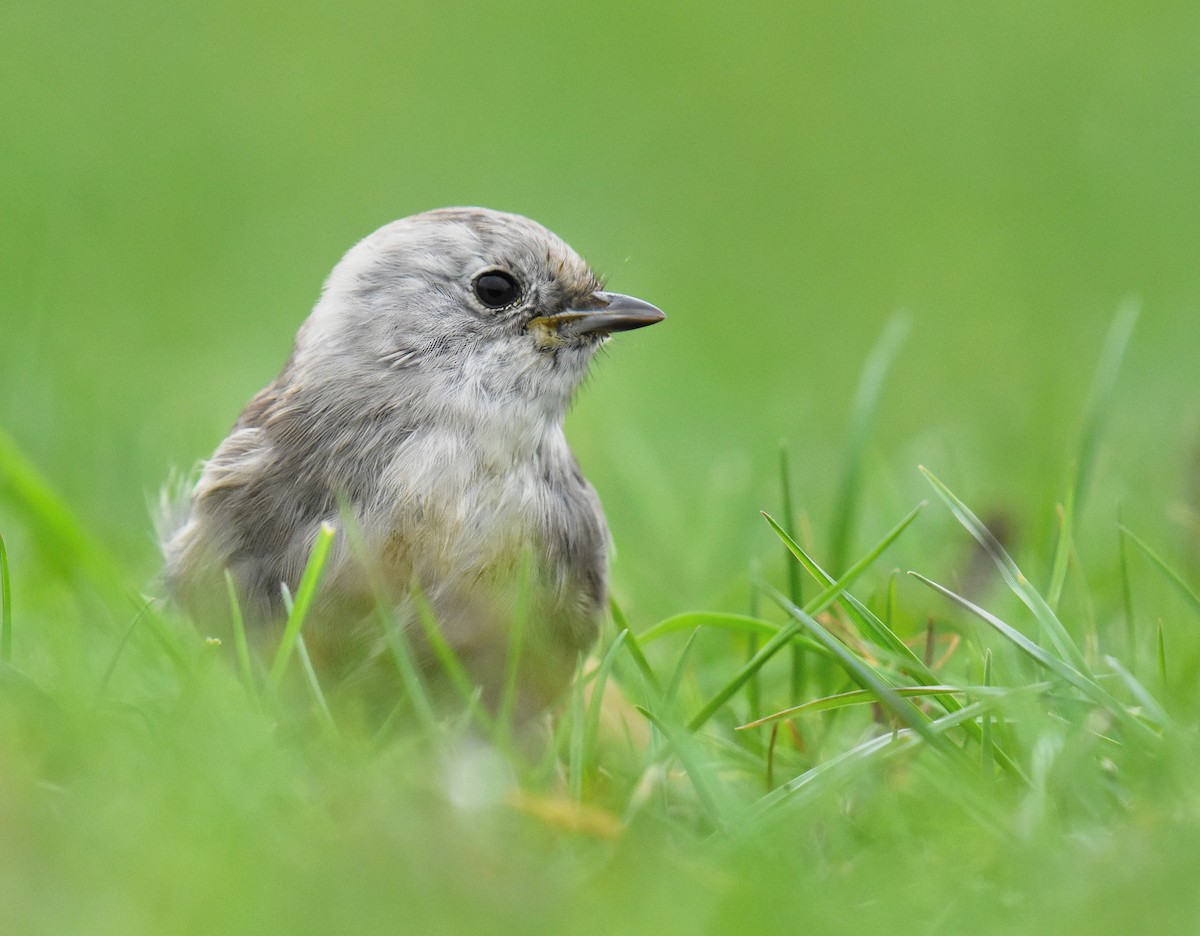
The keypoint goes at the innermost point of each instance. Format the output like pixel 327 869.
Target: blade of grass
pixel 688 752
pixel 240 643
pixel 815 605
pixel 862 415
pixel 121 644
pixel 6 622
pixel 853 697
pixel 310 579
pixel 871 627
pixel 866 676
pixel 1096 409
pixel 1172 576
pixel 452 666
pixel 314 685
pixel 771 743
pixel 987 750
pixel 575 747
pixel 795 583
pixel 691 620
pixel 753 688
pixel 1162 655
pixel 1051 626
pixel 830 774
pixel 61 536
pixel 512 663
pixel 633 646
pixel 881 635
pixel 1139 692
pixel 47 731
pixel 166 635
pixel 1038 654
pixel 889 610
pixel 393 632
pixel 591 732
pixel 409 674
pixel 1062 552
pixel 1086 611
pixel 20 691
pixel 1102 391
pixel 1131 648
pixel 671 692
pixel 1084 683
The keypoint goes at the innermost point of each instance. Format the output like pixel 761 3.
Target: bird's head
pixel 465 304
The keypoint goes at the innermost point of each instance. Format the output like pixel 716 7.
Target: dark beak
pixel 612 313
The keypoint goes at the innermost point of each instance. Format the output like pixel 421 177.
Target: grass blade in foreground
pixel 591 730
pixel 832 772
pixel 1172 576
pixel 1060 668
pixel 688 751
pixel 393 634
pixel 307 590
pixel 1139 692
pixel 575 739
pixel 882 635
pixel 1104 385
pixel 410 677
pixel 5 606
pixel 885 638
pixel 453 667
pixel 314 685
pixel 987 748
pixel 1062 552
pixel 1162 655
pixel 795 585
pixel 1131 648
pixel 865 675
pixel 814 606
pixel 866 401
pixel 830 775
pixel 516 644
pixel 671 691
pixel 633 645
pixel 1099 403
pixel 1013 577
pixel 102 688
pixel 691 620
pixel 854 697
pixel 241 645
pixel 61 535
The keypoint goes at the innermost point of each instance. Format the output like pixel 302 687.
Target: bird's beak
pixel 612 312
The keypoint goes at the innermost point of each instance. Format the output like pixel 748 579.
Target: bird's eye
pixel 496 289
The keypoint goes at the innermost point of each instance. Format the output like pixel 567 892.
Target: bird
pixel 420 414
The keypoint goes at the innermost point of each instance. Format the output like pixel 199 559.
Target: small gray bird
pixel 420 413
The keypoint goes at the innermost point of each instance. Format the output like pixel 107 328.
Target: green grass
pixel 1035 770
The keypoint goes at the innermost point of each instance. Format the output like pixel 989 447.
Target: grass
pixel 988 756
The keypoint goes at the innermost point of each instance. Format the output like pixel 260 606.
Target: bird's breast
pixel 463 507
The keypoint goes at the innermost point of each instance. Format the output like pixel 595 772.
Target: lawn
pixel 931 285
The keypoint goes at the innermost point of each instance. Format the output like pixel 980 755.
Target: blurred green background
pixel 177 180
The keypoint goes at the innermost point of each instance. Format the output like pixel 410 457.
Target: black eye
pixel 496 289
